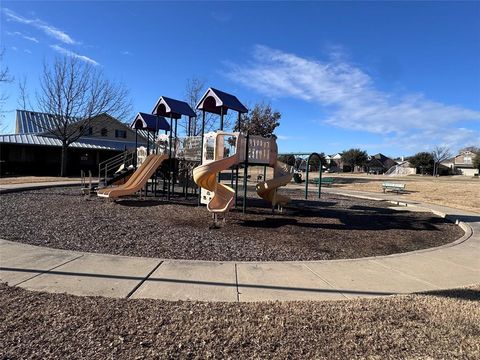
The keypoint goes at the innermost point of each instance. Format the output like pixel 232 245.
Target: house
pixel 379 164
pixel 403 168
pixel 34 149
pixel 334 162
pixel 461 164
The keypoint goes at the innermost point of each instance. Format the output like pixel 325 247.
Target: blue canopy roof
pixel 215 100
pixel 169 107
pixel 150 122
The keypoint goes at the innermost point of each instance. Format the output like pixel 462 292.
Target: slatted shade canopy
pixel 215 100
pixel 150 122
pixel 172 108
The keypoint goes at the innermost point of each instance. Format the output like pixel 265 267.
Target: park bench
pixel 393 187
pixel 327 181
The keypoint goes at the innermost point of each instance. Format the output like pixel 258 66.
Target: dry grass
pixel 455 191
pixel 34 179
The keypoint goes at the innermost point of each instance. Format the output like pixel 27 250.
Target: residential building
pixel 34 149
pixel 461 164
pixel 379 164
pixel 334 162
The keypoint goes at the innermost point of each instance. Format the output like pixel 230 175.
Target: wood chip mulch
pixel 333 227
pixel 442 325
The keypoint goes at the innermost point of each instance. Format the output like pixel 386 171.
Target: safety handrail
pixel 126 158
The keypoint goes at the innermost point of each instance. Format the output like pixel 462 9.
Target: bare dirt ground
pixel 441 325
pixel 34 179
pixel 333 228
pixel 455 191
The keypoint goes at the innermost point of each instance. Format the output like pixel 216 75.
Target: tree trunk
pixel 63 166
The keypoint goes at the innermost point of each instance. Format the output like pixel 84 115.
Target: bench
pixel 393 187
pixel 327 181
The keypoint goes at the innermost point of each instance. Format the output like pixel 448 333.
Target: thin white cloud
pixel 48 29
pixel 27 51
pixel 126 53
pixel 14 48
pixel 27 37
pixel 31 38
pixel 351 100
pixel 67 52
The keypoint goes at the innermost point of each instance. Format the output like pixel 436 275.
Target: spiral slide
pixel 138 179
pixel 267 190
pixel 205 176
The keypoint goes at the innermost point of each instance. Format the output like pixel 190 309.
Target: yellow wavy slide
pixel 267 190
pixel 138 179
pixel 205 176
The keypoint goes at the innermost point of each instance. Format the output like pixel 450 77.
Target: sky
pixel 389 77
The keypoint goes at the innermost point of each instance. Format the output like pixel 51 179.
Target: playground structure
pixel 138 179
pixel 247 149
pixel 169 161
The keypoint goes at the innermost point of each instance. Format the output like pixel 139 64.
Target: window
pixel 89 131
pixel 467 159
pixel 104 132
pixel 121 134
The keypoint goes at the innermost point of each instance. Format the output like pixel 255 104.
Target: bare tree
pixel 194 90
pixel 23 100
pixel 75 93
pixel 5 78
pixel 439 154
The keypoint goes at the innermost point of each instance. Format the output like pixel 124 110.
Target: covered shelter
pixel 35 149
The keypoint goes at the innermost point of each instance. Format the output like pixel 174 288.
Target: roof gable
pixel 169 107
pixel 215 100
pixel 149 122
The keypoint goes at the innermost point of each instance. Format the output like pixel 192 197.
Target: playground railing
pixel 188 148
pixel 260 150
pixel 108 167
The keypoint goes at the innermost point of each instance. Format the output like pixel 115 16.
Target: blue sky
pixel 390 77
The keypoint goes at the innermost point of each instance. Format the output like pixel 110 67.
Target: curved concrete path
pixel 450 266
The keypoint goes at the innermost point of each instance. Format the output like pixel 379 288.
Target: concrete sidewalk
pixel 450 266
pixel 8 188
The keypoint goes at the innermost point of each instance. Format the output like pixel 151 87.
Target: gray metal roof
pixel 85 143
pixel 31 122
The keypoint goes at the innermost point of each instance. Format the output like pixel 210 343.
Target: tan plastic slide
pixel 205 176
pixel 267 190
pixel 138 179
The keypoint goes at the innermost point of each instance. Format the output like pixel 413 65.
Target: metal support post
pixel 169 158
pixel 245 175
pixel 201 153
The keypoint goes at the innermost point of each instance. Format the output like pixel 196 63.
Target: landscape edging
pixel 468 233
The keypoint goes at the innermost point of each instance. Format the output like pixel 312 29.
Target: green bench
pixel 327 181
pixel 393 187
